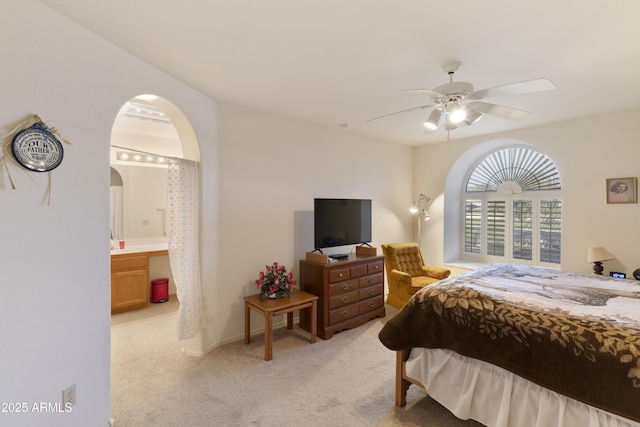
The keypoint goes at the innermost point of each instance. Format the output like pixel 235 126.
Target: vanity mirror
pixel 138 198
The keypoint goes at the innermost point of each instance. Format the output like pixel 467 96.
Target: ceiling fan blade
pixel 431 93
pixel 529 86
pixel 421 107
pixel 499 110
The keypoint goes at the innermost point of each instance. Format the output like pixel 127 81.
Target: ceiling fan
pixel 456 104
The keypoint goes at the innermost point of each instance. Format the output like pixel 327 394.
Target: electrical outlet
pixel 69 396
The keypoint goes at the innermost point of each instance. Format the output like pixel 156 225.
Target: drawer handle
pixel 377 267
pixel 372 291
pixel 345 299
pixel 371 304
pixel 340 275
pixel 345 313
pixel 371 279
pixel 345 286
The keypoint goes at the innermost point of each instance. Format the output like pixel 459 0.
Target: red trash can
pixel 160 290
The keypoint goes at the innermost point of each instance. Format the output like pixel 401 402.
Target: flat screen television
pixel 340 222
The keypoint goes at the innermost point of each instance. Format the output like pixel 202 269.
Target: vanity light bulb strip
pixel 140 158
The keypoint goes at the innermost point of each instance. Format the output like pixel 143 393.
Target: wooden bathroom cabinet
pixel 130 286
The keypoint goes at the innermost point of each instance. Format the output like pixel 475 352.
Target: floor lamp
pixel 420 208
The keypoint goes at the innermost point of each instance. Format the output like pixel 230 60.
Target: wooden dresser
pixel 351 292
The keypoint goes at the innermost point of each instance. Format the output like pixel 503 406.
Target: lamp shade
pixel 433 120
pixel 456 113
pixel 599 254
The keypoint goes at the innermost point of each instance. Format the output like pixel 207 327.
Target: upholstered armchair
pixel 406 272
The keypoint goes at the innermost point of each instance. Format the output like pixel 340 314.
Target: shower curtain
pixel 182 237
pixel 116 217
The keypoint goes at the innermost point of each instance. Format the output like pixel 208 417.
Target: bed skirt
pixel 473 389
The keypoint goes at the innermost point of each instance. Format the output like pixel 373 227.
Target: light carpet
pixel 345 381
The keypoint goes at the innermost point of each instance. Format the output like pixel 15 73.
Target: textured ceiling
pixel 336 62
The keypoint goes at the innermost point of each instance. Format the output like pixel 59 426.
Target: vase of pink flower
pixel 275 282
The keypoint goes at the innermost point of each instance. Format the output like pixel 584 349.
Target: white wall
pixel 270 169
pixel 586 151
pixel 54 310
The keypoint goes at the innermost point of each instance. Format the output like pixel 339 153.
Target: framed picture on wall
pixel 622 190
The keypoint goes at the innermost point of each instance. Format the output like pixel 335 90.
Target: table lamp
pixel 597 255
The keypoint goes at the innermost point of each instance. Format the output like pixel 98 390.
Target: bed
pixel 514 345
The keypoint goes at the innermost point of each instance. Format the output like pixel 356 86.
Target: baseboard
pixel 280 324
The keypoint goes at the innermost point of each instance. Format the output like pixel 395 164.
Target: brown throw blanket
pixel 574 333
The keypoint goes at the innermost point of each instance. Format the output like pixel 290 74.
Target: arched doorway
pixel 150 136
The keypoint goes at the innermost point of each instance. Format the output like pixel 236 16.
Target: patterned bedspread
pixel 574 333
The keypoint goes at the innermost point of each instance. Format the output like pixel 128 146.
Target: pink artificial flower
pixel 272 288
pixel 288 285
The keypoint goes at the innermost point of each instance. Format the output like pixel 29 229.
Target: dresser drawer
pixel 338 274
pixel 344 313
pixel 343 287
pixel 344 299
pixel 127 262
pixel 358 270
pixel 370 305
pixel 372 279
pixel 374 267
pixel 371 291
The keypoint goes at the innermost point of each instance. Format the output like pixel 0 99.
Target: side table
pixel 298 300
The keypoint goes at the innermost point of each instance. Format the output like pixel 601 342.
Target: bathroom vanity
pixel 130 284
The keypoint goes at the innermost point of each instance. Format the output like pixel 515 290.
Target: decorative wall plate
pixel 37 149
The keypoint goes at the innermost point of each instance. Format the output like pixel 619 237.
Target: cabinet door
pixel 129 290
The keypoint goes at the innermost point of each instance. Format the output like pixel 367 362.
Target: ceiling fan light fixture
pixel 433 120
pixel 457 114
pixel 449 126
pixel 458 104
pixel 472 116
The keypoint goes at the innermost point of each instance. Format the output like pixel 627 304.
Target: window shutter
pixel 550 230
pixel 472 226
pixel 496 217
pixel 522 230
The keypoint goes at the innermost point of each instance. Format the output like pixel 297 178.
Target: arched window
pixel 512 209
